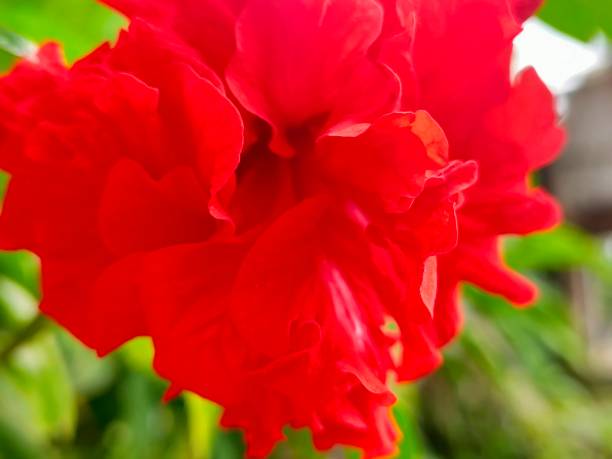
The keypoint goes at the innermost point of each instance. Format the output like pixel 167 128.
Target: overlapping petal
pixel 284 195
pixel 207 25
pixel 461 75
pixel 304 67
pixel 99 176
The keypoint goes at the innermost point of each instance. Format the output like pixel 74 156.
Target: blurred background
pixel 532 384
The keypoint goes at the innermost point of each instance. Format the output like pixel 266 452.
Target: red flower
pixel 256 186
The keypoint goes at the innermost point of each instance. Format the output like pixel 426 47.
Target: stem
pixel 37 324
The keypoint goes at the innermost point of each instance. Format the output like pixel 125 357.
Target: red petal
pixel 391 160
pixel 216 127
pixel 19 92
pixel 277 277
pixel 185 290
pixel 480 263
pixel 302 66
pixel 448 317
pixel 510 213
pixel 137 213
pixel 50 210
pixel 523 9
pixel 98 303
pixel 152 55
pixel 208 25
pixel 462 56
pixel 528 120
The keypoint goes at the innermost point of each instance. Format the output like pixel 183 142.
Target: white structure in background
pixel 581 75
pixel 562 62
pixel 582 178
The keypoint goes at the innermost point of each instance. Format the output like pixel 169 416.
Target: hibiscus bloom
pixel 260 187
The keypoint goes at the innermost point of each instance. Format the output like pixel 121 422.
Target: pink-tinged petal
pixel 138 213
pixel 429 284
pixel 391 160
pixel 303 67
pixel 396 53
pixel 400 18
pixel 395 46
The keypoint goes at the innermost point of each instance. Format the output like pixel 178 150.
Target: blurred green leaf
pixel 6 61
pixel 410 445
pixel 138 354
pixel 15 45
pixel 22 267
pixel 563 248
pixel 89 374
pixel 228 445
pixel 137 430
pixel 17 305
pixel 79 25
pixel 16 444
pixel 203 418
pixel 581 19
pixel 521 373
pixel 299 446
pixel 36 393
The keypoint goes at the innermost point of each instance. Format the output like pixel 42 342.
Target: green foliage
pixel 518 383
pixel 80 25
pixel 14 45
pixel 202 418
pixel 581 19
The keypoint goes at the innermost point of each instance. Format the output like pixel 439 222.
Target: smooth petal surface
pixel 392 159
pixel 208 25
pixel 303 67
pixel 172 209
